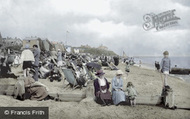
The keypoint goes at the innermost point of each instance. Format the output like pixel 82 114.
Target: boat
pixel 183 71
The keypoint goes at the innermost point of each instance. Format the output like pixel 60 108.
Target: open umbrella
pixel 94 65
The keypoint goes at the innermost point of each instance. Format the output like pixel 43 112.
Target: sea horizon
pixel 160 56
pixel 176 61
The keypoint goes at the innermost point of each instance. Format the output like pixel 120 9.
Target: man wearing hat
pixel 118 94
pixel 101 85
pixel 165 66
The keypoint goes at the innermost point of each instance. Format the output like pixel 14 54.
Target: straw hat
pixel 100 73
pixel 166 53
pixel 119 72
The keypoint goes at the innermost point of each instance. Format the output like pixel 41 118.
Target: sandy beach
pixel 146 81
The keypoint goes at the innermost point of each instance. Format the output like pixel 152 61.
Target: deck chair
pixel 86 75
pixel 112 66
pixel 86 72
pixel 74 66
pixel 70 77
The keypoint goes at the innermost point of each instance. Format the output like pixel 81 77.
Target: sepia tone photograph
pixel 94 59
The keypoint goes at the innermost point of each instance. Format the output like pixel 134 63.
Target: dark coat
pixel 5 69
pixel 97 86
pixel 35 92
pixel 36 53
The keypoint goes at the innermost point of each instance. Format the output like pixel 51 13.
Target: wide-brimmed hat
pixel 119 72
pixel 166 53
pixel 100 73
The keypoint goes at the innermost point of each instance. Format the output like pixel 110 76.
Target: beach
pixel 146 81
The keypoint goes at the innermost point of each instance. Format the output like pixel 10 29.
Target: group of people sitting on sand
pixel 119 95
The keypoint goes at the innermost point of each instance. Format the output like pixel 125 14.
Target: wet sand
pixel 147 82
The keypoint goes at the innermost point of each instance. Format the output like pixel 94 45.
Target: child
pixel 127 68
pixel 132 93
pixel 165 67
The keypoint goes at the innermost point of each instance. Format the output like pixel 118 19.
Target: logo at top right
pixel 160 21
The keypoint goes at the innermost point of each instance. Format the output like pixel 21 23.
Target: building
pixel 85 46
pixel 12 43
pixel 103 47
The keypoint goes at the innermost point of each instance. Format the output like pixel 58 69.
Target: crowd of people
pixel 49 67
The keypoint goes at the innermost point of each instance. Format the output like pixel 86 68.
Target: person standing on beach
pixel 132 93
pixel 166 67
pixel 27 58
pixel 59 58
pixel 36 53
pixel 53 54
pixel 140 63
pixel 157 65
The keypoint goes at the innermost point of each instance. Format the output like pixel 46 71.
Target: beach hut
pixel 58 45
pixel 45 45
pixel 31 41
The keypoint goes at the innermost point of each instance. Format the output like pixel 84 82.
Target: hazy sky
pixel 116 24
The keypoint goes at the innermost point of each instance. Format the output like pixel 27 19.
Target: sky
pixel 116 24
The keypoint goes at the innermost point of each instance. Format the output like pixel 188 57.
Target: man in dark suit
pixel 36 53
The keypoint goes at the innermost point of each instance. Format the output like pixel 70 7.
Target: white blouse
pixel 102 82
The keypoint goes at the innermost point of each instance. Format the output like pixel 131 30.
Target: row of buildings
pixel 43 43
pixel 100 47
pixel 14 43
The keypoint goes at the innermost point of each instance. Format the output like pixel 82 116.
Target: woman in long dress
pixel 118 94
pixel 27 57
pixel 102 93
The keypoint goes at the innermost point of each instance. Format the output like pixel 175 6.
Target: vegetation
pixel 96 51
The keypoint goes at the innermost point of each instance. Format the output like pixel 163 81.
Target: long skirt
pixel 106 95
pixel 118 96
pixel 27 64
pixel 103 97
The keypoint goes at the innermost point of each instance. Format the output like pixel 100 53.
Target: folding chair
pixel 112 66
pixel 70 77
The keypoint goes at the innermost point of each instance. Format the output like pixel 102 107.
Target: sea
pixel 180 62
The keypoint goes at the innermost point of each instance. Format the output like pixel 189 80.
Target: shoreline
pixel 180 62
pixel 185 78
